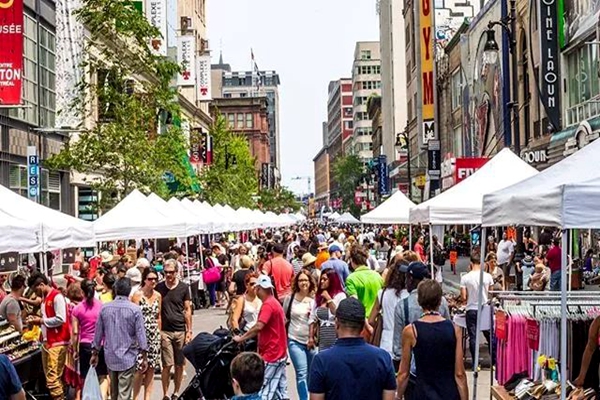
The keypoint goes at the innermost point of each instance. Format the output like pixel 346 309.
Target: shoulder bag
pixel 378 329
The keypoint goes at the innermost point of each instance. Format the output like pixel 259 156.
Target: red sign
pixel 501 325
pixel 465 167
pixel 11 51
pixel 532 331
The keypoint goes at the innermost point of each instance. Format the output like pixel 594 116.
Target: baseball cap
pixel 334 247
pixel 418 270
pixel 134 274
pixel 351 309
pixel 402 266
pixel 264 282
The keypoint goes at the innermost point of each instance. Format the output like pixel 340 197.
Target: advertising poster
pixel 186 58
pixel 204 90
pixel 156 12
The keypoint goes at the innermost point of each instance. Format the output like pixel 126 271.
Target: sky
pixel 309 43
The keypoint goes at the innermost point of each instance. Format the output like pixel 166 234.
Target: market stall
pixel 24 353
pixel 347 218
pixel 565 196
pixel 394 210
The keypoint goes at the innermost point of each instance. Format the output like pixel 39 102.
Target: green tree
pixel 348 172
pixel 132 145
pixel 231 178
pixel 278 200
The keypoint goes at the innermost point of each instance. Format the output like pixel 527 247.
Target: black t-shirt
pixel 173 310
pixel 238 278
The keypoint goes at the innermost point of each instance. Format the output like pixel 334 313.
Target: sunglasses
pixel 169 272
pixel 152 279
pixel 303 281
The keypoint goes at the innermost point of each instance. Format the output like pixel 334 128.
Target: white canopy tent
pixel 347 218
pixel 564 195
pixel 462 203
pixel 135 218
pixel 19 235
pixel 182 217
pixel 53 229
pixel 394 210
pixel 333 216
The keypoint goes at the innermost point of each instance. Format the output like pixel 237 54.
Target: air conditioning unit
pixel 185 23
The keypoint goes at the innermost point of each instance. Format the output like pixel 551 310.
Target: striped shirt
pixel 120 327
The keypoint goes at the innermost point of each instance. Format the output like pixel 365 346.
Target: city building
pixel 255 83
pixel 394 116
pixel 339 124
pixel 32 123
pixel 248 116
pixel 366 82
pixel 322 177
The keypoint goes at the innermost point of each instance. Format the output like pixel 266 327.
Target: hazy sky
pixel 309 43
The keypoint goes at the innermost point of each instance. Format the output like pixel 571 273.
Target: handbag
pixel 212 274
pixel 378 329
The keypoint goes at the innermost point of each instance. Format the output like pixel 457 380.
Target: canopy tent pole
pixel 563 317
pixel 431 251
pixel 570 253
pixel 201 250
pixel 410 246
pixel 479 315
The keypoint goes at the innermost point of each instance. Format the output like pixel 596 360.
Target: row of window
pixel 358 147
pixel 360 100
pixel 39 87
pixel 240 120
pixel 368 69
pixel 361 116
pixel 50 185
pixel 369 85
pixel 364 131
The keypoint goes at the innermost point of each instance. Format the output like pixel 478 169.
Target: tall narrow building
pixel 366 82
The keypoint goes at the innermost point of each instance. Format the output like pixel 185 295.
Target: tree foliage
pixel 348 171
pixel 231 178
pixel 128 146
pixel 278 200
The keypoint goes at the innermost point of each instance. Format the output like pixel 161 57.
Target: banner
pixel 11 51
pixel 206 152
pixel 383 175
pixel 156 12
pixel 186 57
pixel 9 262
pixel 196 146
pixel 465 167
pixel 204 90
pixel 426 33
pixel 33 173
pixel 550 61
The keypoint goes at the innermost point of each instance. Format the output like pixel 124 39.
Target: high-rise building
pixel 366 82
pixel 234 84
pixel 393 79
pixel 339 122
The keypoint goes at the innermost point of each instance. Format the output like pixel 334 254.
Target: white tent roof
pixel 565 195
pixel 462 203
pixel 135 218
pixel 347 218
pixel 334 216
pixel 177 214
pixel 19 235
pixel 394 210
pixel 54 230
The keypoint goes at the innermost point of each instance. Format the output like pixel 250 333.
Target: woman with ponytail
pixel 83 328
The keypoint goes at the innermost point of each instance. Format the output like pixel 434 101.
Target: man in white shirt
pixel 469 291
pixel 506 253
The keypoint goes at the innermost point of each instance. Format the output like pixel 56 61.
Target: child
pixel 247 376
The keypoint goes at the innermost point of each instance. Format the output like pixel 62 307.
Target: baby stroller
pixel 211 356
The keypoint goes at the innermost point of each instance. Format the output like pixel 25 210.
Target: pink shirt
pixel 87 317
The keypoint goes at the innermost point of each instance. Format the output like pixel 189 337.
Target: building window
pixel 240 121
pixel 369 85
pixel 243 94
pixel 365 54
pixel 227 95
pixel 347 124
pixel 49 181
pixel 361 116
pixel 583 84
pixel 47 77
pixel 249 120
pixel 231 121
pixel 456 89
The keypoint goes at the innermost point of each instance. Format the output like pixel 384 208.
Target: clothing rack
pixel 536 300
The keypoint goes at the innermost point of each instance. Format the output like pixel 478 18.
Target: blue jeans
pixel 555 281
pixel 212 293
pixel 301 359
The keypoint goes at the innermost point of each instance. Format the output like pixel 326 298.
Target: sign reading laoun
pixel 11 51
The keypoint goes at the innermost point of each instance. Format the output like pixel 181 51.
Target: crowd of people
pixel 352 309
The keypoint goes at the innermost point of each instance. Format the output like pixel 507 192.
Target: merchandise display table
pixel 499 393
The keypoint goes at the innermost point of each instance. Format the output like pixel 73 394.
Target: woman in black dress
pixel 437 347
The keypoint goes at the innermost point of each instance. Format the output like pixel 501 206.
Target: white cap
pixel 264 282
pixel 134 274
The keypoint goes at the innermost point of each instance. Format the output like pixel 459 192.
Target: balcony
pixel 583 111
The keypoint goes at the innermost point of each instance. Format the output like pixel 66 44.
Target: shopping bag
pixel 91 387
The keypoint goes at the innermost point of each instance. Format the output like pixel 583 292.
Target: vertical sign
pixel 33 173
pixel 550 61
pixel 196 150
pixel 426 33
pixel 156 12
pixel 204 90
pixel 186 57
pixel 206 152
pixel 264 175
pixel 11 51
pixel 383 175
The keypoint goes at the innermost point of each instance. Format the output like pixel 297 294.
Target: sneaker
pixel 166 398
pixel 175 396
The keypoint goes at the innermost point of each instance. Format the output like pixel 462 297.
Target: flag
pixel 256 70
